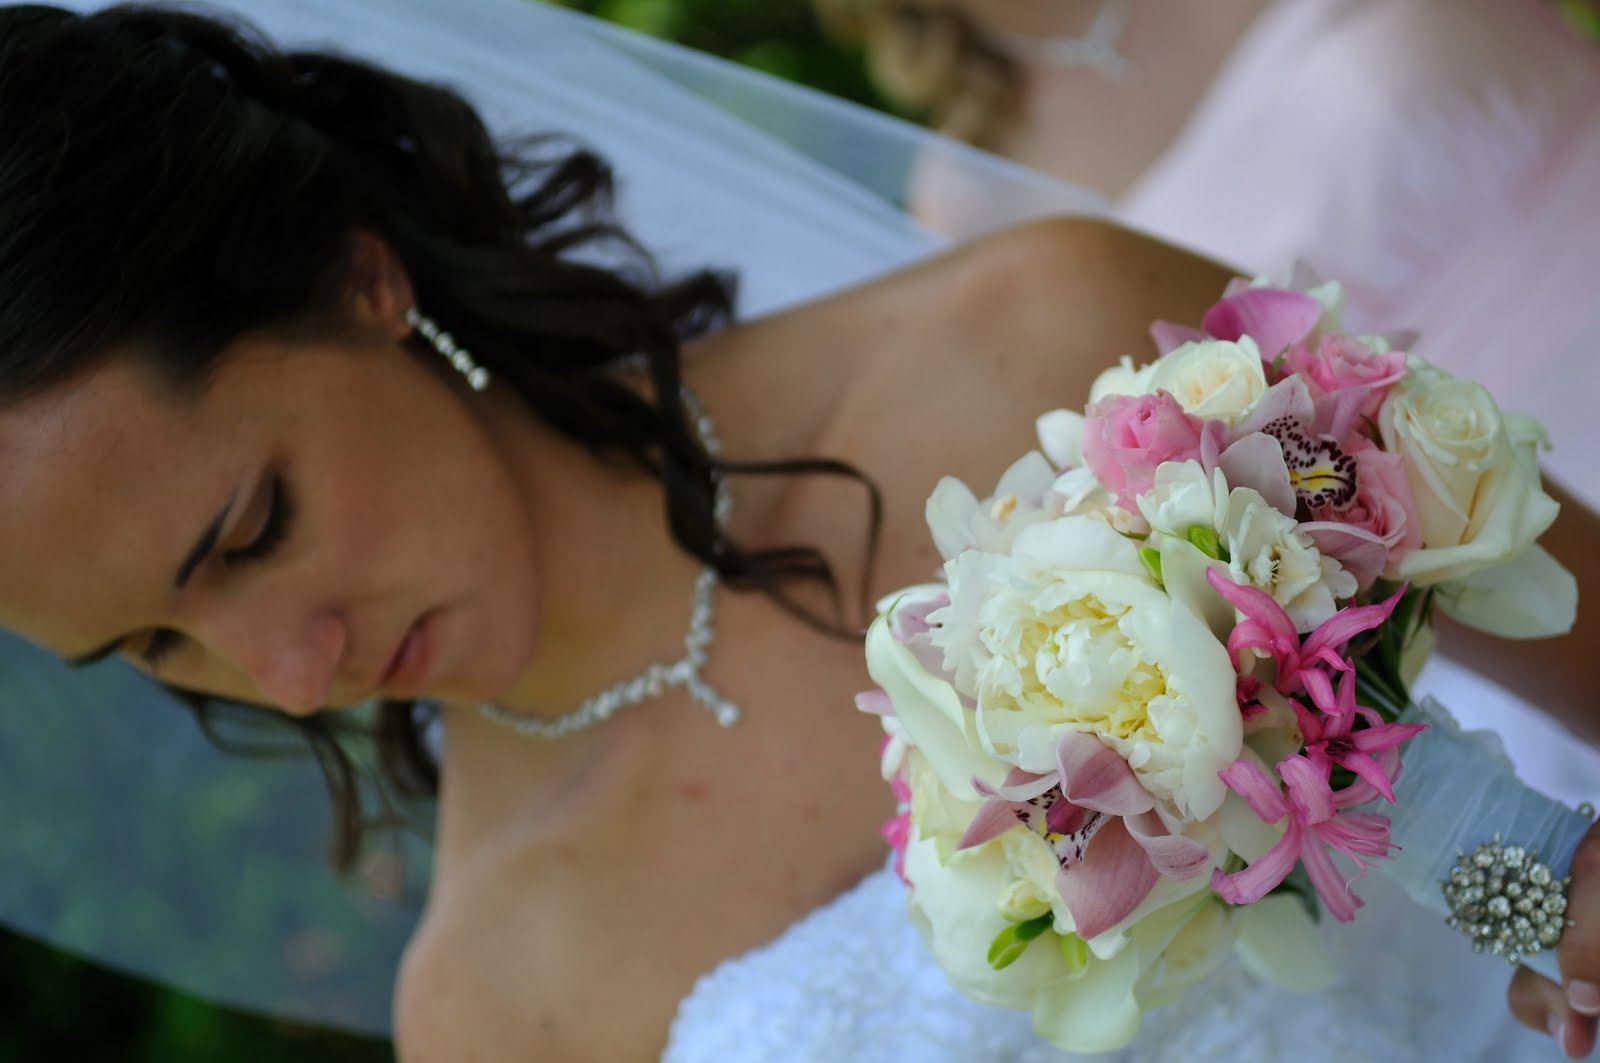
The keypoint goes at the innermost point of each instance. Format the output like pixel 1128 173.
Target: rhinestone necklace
pixel 658 677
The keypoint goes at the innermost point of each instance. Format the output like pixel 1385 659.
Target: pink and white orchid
pixel 1111 845
pixel 1275 318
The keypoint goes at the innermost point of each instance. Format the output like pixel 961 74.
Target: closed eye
pixel 273 530
pixel 158 647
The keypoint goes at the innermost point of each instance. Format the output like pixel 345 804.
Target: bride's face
pixel 321 522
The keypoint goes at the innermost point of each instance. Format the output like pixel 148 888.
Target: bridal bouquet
pixel 1155 712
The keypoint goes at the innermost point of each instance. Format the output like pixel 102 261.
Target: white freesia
pixel 1071 634
pixel 1474 477
pixel 1124 378
pixel 1213 378
pixel 959 521
pixel 1061 437
pixel 1263 547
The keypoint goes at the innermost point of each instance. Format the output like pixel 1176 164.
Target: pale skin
pixel 599 876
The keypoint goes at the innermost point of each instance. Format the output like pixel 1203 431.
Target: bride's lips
pixel 407 668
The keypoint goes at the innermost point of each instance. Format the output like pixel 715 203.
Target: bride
pixel 303 408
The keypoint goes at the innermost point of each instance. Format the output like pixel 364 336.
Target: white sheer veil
pixel 126 835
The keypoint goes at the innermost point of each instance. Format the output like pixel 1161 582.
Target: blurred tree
pixel 62 1008
pixel 779 37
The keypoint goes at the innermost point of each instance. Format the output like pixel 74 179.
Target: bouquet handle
pixel 1479 846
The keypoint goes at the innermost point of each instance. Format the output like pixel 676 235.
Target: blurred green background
pixel 62 1008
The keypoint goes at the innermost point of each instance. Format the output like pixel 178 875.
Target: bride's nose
pixel 293 666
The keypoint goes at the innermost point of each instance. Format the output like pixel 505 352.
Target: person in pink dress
pixel 1440 158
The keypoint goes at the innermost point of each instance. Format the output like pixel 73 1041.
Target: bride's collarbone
pixel 723 840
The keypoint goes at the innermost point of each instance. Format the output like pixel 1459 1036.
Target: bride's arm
pixel 1561 676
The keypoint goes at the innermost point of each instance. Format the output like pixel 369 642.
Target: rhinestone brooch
pixel 1506 901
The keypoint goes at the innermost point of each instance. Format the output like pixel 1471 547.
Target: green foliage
pixel 778 37
pixel 65 1009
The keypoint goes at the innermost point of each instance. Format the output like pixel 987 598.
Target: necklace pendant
pixel 658 677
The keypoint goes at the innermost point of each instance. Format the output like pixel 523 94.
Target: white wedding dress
pixel 798 216
pixel 852 983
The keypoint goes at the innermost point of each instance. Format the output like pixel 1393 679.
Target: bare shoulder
pixel 1067 289
pixel 1045 305
pixel 995 332
pixel 435 1018
pixel 450 1002
pixel 490 976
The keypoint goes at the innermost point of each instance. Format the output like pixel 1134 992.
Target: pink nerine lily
pixel 1316 823
pixel 1267 627
pixel 1111 846
pixel 1329 740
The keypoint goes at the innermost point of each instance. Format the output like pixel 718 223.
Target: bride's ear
pixel 380 289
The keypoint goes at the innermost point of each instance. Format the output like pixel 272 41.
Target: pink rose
pixel 1380 524
pixel 1126 436
pixel 1341 363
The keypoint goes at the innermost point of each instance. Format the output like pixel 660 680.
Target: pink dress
pixel 1442 159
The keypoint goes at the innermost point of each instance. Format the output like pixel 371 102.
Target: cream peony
pixel 1070 633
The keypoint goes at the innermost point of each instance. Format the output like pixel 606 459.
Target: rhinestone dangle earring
pixel 441 341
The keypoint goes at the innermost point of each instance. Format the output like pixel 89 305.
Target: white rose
pixel 1071 634
pixel 1213 378
pixel 1473 472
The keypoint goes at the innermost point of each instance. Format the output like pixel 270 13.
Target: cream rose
pixel 1071 634
pixel 1209 378
pixel 1474 475
pixel 1213 378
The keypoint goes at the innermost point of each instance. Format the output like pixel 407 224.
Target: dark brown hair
pixel 170 182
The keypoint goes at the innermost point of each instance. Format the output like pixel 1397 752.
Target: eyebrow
pixel 191 561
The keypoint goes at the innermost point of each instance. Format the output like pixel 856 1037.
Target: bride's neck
pixel 614 597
